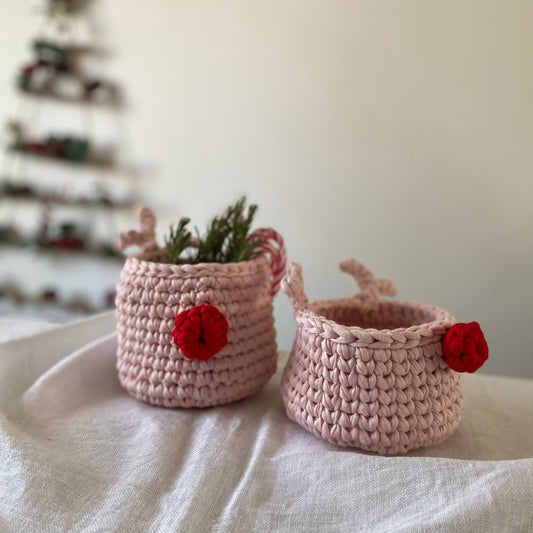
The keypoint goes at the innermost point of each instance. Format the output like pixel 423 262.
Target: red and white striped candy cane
pixel 273 246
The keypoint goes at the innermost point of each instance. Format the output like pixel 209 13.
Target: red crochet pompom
pixel 200 332
pixel 465 348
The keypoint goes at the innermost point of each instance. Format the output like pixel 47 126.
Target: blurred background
pixel 399 133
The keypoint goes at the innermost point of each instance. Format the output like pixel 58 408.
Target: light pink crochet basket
pixel 367 372
pixel 150 294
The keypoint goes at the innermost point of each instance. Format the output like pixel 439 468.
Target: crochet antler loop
pixel 293 286
pixel 369 285
pixel 145 237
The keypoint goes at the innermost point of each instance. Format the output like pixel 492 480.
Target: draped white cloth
pixel 78 454
pixel 14 327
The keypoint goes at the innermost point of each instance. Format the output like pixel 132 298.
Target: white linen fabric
pixel 15 327
pixel 78 454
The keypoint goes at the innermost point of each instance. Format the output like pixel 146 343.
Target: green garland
pixel 227 239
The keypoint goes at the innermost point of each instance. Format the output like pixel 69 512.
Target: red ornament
pixel 465 348
pixel 200 332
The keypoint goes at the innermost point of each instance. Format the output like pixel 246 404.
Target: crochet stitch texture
pixel 367 372
pixel 150 295
pixel 150 365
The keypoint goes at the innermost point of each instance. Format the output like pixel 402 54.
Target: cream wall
pixel 397 132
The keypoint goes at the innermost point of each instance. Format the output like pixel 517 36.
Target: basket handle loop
pixel 370 286
pixel 293 286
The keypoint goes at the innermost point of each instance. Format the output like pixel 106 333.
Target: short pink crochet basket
pixel 151 367
pixel 367 372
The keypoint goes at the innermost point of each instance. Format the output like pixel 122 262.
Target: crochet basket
pixel 150 294
pixel 367 372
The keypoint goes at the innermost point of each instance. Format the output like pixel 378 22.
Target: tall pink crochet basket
pixel 151 367
pixel 367 372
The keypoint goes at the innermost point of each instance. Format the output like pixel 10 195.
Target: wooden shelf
pixel 112 102
pixel 73 48
pixel 35 306
pixel 94 252
pixel 88 203
pixel 94 164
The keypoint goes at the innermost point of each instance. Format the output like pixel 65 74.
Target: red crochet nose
pixel 464 347
pixel 200 332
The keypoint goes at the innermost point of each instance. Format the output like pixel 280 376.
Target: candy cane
pixel 273 246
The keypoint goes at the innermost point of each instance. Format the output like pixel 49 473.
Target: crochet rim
pixel 441 318
pixel 134 265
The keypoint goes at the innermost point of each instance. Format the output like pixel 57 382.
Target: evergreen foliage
pixel 226 240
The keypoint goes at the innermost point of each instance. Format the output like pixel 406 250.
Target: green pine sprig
pixel 226 240
pixel 177 241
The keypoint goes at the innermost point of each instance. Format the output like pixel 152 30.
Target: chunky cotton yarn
pixel 367 372
pixel 151 295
